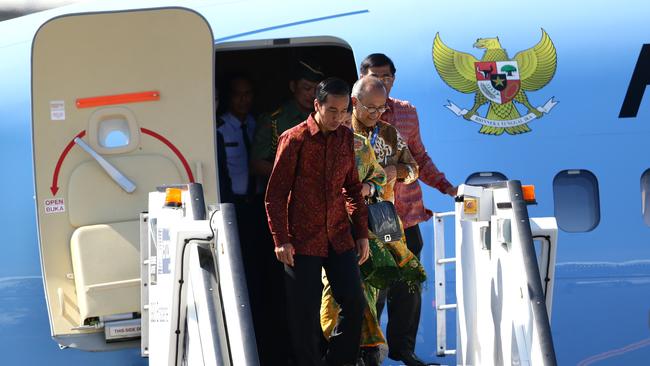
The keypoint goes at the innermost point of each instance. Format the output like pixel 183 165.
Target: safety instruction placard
pixel 57 110
pixel 54 205
pixel 123 331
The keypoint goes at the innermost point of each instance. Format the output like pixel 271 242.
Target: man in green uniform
pixel 270 126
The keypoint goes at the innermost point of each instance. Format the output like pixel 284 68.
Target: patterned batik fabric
pixel 388 262
pixel 409 204
pixel 316 173
pixel 409 268
pixel 390 149
pixel 371 334
pixel 411 272
pixel 380 270
pixel 370 171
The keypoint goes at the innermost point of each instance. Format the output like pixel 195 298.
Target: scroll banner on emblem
pixel 546 108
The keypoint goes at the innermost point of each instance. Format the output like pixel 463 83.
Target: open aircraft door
pixel 122 102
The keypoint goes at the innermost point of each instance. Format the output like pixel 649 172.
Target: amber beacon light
pixel 529 193
pixel 173 197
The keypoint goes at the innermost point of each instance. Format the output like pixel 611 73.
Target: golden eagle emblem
pixel 498 80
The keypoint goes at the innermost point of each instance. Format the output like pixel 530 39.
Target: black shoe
pixel 370 356
pixel 410 359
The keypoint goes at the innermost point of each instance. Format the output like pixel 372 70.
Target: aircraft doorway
pixel 269 67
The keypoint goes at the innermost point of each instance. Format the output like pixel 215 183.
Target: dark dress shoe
pixel 371 356
pixel 410 359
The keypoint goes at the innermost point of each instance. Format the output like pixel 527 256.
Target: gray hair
pixel 366 85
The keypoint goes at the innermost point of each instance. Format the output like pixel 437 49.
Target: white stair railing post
pixel 440 261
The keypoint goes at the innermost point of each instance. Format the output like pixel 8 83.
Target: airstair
pixel 195 308
pixel 503 282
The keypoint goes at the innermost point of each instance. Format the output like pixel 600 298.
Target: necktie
pixel 247 143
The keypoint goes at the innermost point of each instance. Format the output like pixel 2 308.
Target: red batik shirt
pixel 408 197
pixel 314 191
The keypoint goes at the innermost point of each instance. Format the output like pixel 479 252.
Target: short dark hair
pixel 232 77
pixel 226 83
pixel 334 86
pixel 226 88
pixel 376 60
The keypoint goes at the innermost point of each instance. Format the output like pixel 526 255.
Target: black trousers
pixel 403 305
pixel 304 291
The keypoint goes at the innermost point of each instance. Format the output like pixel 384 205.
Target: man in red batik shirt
pixel 313 192
pixel 403 303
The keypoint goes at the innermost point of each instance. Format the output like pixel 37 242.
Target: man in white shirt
pixel 237 126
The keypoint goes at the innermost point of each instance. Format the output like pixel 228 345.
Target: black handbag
pixel 384 222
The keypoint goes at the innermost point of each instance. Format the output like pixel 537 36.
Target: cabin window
pixel 114 132
pixel 576 199
pixel 645 196
pixel 480 178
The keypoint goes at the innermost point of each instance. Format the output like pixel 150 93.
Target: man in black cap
pixel 305 78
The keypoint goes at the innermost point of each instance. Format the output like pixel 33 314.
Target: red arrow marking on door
pixel 174 149
pixel 55 177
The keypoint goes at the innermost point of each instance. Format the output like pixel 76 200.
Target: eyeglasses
pixel 373 110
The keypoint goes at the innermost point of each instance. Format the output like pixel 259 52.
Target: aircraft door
pixel 122 102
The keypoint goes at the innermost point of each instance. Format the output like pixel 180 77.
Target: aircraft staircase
pixel 195 308
pixel 503 283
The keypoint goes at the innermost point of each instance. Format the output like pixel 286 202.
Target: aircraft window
pixel 479 178
pixel 114 132
pixel 577 202
pixel 645 197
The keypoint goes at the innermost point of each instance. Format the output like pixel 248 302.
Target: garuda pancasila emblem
pixel 498 80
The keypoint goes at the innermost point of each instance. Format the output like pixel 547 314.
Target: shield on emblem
pixel 498 80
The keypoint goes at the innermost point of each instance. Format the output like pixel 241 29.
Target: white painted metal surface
pixel 495 311
pixel 168 296
pixel 440 260
pixel 175 234
pixel 195 306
